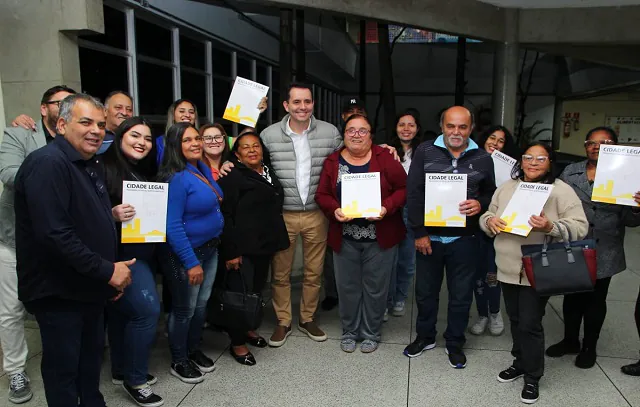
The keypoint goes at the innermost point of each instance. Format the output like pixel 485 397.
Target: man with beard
pixel 450 248
pixel 17 144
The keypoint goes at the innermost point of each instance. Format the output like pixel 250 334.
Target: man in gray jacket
pixel 298 146
pixel 17 144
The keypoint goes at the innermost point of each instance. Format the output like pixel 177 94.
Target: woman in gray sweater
pixel 607 226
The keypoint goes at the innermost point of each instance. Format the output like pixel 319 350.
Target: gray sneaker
pixel 368 346
pixel 19 388
pixel 398 309
pixel 348 345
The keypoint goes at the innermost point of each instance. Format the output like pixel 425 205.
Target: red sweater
pixel 393 180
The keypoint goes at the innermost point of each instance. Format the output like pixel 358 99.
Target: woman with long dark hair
pixel 487 288
pixel 524 305
pixel 132 318
pixel 407 139
pixel 254 230
pixel 190 260
pixel 180 111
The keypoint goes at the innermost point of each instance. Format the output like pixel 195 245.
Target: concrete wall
pixel 592 114
pixel 39 48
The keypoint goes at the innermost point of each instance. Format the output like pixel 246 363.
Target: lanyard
pixel 206 181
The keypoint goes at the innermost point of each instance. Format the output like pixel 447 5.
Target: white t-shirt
pixel 407 161
pixel 302 150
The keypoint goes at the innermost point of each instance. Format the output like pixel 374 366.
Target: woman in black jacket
pixel 254 228
pixel 132 319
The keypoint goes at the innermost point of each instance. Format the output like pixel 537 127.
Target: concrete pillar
pixel 505 74
pixel 39 48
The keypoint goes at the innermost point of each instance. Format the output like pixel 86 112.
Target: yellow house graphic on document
pixel 434 218
pixel 131 233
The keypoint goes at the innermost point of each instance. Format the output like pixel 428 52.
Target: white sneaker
pixel 496 324
pixel 385 318
pixel 398 309
pixel 480 326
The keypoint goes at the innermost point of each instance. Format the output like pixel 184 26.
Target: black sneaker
pixel 457 359
pixel 187 371
pixel 562 348
pixel 144 396
pixel 418 346
pixel 329 303
pixel 530 393
pixel 632 369
pixel 586 359
pixel 118 379
pixel 509 375
pixel 202 361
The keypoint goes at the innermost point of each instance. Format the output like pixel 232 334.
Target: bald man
pixel 450 248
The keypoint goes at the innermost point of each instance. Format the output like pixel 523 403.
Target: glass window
pixel 221 63
pixel 261 74
pixel 155 88
pixel 192 53
pixel 153 40
pixel 102 73
pixel 221 93
pixel 244 68
pixel 115 32
pixel 194 88
pixel 277 103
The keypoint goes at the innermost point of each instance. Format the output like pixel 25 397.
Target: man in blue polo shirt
pixel 440 248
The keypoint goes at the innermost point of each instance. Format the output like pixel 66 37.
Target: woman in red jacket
pixel 364 249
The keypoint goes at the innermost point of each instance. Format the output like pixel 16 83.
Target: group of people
pixel 235 211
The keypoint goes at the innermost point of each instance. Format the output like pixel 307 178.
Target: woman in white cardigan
pixel 523 304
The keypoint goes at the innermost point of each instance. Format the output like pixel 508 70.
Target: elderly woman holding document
pixel 607 225
pixel 364 242
pixel 523 304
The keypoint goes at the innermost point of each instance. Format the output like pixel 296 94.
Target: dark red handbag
pixel 561 268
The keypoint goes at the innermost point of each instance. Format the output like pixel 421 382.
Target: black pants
pixel 526 309
pixel 637 314
pixel 254 270
pixel 72 347
pixel 459 259
pixel 592 307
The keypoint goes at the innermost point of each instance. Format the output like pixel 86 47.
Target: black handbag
pixel 234 309
pixel 561 268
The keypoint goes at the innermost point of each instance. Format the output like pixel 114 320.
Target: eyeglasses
pixel 352 132
pixel 211 139
pixel 454 164
pixel 593 143
pixel 54 102
pixel 541 159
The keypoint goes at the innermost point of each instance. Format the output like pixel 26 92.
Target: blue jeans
pixel 72 346
pixel 132 325
pixel 404 266
pixel 487 288
pixel 459 260
pixel 189 306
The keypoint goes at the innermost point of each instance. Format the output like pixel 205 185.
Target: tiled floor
pixel 309 374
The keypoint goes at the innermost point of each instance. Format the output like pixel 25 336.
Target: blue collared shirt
pixel 440 143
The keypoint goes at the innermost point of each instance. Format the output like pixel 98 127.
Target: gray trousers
pixel 363 272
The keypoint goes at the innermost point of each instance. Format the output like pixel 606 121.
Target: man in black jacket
pixel 66 251
pixel 452 248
